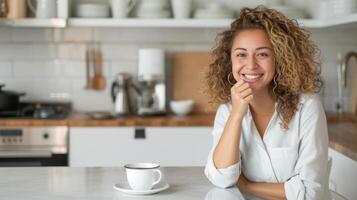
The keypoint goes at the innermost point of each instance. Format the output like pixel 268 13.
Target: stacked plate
pixel 158 14
pixel 92 10
pixel 342 7
pixel 213 11
pixel 154 9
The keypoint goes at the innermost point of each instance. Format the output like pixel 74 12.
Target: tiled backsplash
pixel 48 63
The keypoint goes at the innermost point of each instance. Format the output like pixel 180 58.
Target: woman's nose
pixel 252 62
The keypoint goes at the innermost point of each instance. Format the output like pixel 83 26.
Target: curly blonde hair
pixel 297 60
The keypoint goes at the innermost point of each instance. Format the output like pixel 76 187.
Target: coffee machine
pixel 150 83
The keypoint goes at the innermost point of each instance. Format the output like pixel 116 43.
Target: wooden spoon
pixel 98 82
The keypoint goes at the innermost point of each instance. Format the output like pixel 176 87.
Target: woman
pixel 270 134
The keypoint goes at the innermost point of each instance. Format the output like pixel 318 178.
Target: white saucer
pixel 125 188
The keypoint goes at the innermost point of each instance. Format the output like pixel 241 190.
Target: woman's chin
pixel 257 87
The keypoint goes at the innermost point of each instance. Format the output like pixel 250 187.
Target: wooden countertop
pixel 343 134
pixel 78 119
pixel 342 129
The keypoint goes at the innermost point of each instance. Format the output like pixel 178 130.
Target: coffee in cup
pixel 143 176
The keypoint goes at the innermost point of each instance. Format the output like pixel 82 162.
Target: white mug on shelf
pixel 44 8
pixel 121 8
pixel 181 8
pixel 143 176
pixel 62 9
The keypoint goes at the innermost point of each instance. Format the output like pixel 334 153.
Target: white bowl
pixel 92 10
pixel 213 13
pixel 182 107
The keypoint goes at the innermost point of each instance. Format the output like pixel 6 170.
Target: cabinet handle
pixel 139 133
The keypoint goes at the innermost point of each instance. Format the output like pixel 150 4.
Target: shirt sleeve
pixel 310 181
pixel 226 177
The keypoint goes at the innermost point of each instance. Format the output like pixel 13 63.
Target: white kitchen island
pixel 57 183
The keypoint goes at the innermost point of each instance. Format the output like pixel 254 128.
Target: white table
pixel 55 183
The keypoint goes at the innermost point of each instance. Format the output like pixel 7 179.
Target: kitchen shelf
pixel 32 22
pixel 348 21
pixel 199 23
pixel 155 23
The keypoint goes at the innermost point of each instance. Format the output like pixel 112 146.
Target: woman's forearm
pixel 226 152
pixel 269 191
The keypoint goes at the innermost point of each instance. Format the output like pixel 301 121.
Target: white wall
pixel 50 62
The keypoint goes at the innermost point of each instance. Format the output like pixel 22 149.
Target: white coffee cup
pixel 181 8
pixel 143 176
pixel 121 8
pixel 44 8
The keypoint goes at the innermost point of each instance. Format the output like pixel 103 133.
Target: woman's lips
pixel 251 77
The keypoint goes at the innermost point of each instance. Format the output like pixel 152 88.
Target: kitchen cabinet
pixel 343 177
pixel 336 22
pixel 116 146
pixel 348 20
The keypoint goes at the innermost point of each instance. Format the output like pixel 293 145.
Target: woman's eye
pixel 263 55
pixel 241 55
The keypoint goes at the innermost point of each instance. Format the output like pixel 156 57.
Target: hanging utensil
pixel 98 79
pixel 88 68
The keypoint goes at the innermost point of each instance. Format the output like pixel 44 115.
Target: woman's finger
pixel 243 87
pixel 238 83
pixel 245 93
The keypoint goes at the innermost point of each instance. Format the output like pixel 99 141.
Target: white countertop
pixel 55 183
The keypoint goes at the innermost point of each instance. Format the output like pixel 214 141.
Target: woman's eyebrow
pixel 240 49
pixel 260 48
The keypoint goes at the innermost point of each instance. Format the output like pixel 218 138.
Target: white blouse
pixel 297 157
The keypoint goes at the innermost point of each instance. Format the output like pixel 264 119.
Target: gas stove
pixel 39 110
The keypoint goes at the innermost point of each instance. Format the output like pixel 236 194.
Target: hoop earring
pixel 228 78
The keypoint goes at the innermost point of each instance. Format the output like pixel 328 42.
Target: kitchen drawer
pixel 113 146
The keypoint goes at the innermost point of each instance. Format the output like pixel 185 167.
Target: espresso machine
pixel 150 83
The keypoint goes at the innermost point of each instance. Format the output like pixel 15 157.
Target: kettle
pixel 120 94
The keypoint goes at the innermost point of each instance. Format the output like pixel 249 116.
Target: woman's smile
pixel 251 77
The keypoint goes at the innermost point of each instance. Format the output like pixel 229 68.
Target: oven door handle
pixel 25 154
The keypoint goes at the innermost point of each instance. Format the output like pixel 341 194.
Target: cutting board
pixel 188 79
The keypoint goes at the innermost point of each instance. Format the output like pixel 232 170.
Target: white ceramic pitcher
pixel 44 8
pixel 121 8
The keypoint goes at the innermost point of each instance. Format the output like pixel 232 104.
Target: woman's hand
pixel 241 95
pixel 266 191
pixel 242 183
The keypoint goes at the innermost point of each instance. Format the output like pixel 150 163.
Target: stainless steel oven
pixel 34 146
